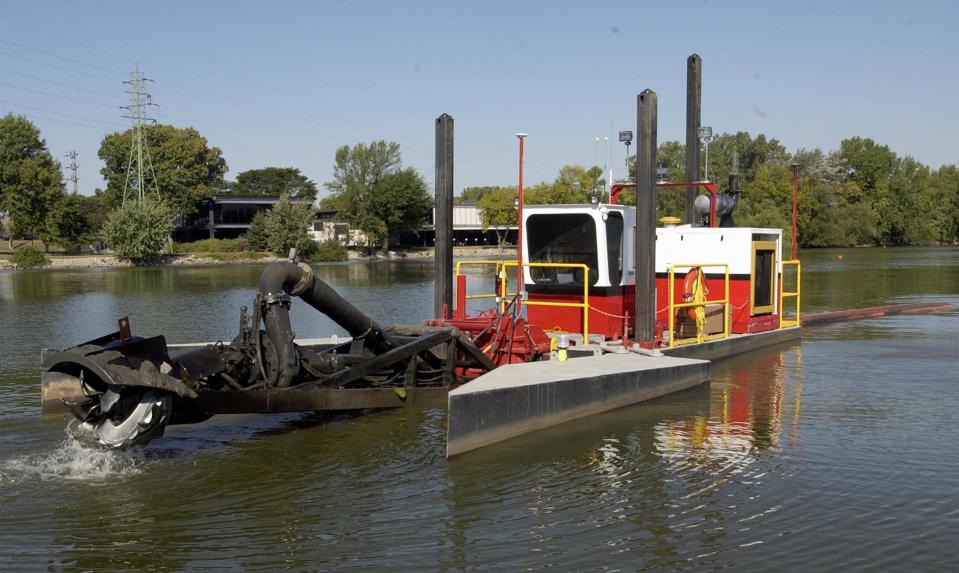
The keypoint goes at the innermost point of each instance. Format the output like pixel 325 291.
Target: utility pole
pixel 795 167
pixel 520 271
pixel 73 170
pixel 140 176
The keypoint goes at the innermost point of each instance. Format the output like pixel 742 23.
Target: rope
pixel 604 313
pixel 611 315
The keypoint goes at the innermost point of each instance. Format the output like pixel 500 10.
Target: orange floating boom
pixel 874 312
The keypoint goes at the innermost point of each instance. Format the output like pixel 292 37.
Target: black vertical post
pixel 443 220
pixel 694 72
pixel 645 240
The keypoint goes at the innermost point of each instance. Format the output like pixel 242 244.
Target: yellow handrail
pixel 701 336
pixel 784 294
pixel 498 264
pixel 584 305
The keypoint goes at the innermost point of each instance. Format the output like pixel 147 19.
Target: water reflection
pixel 747 411
pixel 625 487
pixel 671 484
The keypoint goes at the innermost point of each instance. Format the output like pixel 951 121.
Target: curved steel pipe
pixel 284 279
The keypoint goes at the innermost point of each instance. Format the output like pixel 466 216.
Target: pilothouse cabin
pixel 598 242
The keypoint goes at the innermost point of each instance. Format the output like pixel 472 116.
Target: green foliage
pixel 139 230
pixel 573 184
pixel 256 238
pixel 473 194
pixel 860 194
pixel 30 180
pixel 234 256
pixel 211 246
pixel 94 210
pixel 497 210
pixel 66 224
pixel 330 250
pixel 187 169
pixel 286 226
pixel 10 229
pixel 274 181
pixel 375 194
pixel 28 257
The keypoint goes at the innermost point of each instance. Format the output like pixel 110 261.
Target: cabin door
pixel 762 279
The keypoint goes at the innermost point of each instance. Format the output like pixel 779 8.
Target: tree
pixel 186 168
pixel 287 226
pixel 375 194
pixel 274 181
pixel 30 179
pixel 473 194
pixel 256 236
pixel 402 202
pixel 95 210
pixel 573 184
pixel 139 231
pixel 672 156
pixel 497 210
pixel 66 224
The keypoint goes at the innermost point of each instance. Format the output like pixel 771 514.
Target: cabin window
pixel 562 238
pixel 614 247
pixel 763 278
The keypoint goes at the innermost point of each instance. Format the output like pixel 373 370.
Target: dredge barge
pixel 606 310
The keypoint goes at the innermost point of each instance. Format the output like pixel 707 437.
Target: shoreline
pixel 58 262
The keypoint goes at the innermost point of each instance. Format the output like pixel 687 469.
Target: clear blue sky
pixel 285 83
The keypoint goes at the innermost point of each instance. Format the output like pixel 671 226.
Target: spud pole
pixel 519 230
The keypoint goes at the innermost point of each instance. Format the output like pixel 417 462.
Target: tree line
pixel 860 194
pixel 370 187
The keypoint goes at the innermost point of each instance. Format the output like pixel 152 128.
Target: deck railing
pixel 502 296
pixel 583 305
pixel 784 294
pixel 701 335
pixel 458 273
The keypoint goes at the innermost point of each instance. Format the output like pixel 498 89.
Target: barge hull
pixel 522 398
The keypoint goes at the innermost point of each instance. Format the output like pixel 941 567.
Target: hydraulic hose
pixel 282 280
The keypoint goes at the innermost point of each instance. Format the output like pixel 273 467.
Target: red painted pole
pixel 711 188
pixel 795 167
pixel 519 230
pixel 460 310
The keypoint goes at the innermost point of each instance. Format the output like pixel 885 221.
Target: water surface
pixel 838 453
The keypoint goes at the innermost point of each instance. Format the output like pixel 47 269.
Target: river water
pixel 837 453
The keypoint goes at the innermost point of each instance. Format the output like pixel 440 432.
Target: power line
pixel 60 57
pixel 51 94
pixel 49 81
pixel 66 39
pixel 290 112
pixel 260 106
pixel 49 65
pixel 31 107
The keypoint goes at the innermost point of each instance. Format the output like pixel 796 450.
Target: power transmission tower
pixel 73 170
pixel 140 175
